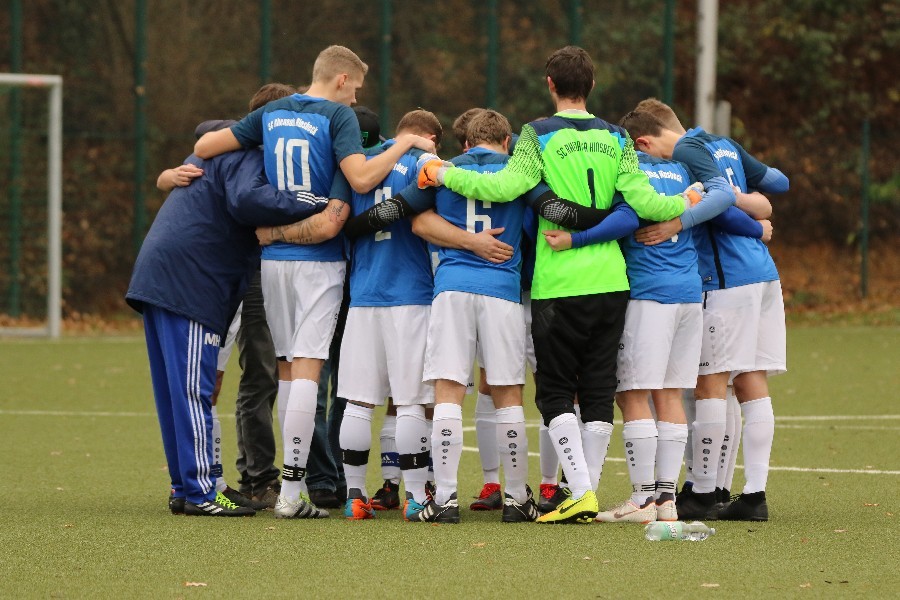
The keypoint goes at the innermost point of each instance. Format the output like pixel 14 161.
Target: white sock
pixel 709 430
pixel 299 424
pixel 669 452
pixel 511 442
pixel 356 442
pixel 640 456
pixel 595 438
pixel 549 460
pixel 759 431
pixel 281 400
pixel 733 414
pixel 728 446
pixel 446 449
pixel 690 413
pixel 412 442
pixel 217 451
pixel 566 438
pixel 486 433
pixel 390 458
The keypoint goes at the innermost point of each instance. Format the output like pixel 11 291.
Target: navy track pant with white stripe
pixel 183 357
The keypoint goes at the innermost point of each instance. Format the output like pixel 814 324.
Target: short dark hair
pixel 421 122
pixel 640 123
pixel 488 127
pixel 461 124
pixel 269 92
pixel 572 72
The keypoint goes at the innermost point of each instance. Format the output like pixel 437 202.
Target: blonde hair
pixel 662 111
pixel 337 60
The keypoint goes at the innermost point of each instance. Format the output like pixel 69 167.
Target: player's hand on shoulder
pixel 431 173
pixel 767 230
pixel 558 240
pixel 658 233
pixel 417 141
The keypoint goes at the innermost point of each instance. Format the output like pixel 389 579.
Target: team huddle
pixel 622 264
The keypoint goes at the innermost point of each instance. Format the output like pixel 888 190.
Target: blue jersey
pixel 391 267
pixel 461 270
pixel 726 260
pixel 304 139
pixel 667 272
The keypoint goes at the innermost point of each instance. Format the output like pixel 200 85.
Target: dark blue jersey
pixel 391 267
pixel 304 139
pixel 666 272
pixel 201 247
pixel 726 260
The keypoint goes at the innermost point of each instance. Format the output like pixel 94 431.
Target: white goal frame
pixel 54 201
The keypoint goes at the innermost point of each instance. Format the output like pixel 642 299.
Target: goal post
pixel 54 85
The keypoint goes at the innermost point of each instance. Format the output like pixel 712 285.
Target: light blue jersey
pixel 726 260
pixel 391 267
pixel 304 139
pixel 461 270
pixel 667 272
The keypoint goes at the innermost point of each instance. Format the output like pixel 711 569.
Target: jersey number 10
pixel 284 165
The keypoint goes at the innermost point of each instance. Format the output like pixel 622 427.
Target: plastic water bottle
pixel 663 531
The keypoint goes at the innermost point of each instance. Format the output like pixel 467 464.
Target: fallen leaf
pixel 606 562
pixel 68 526
pixel 845 581
pixel 194 584
pixel 270 529
pixel 479 545
pixel 587 558
pixel 804 540
pixel 889 514
pixel 840 531
pixel 59 489
pixel 56 453
pixel 709 585
pixel 806 585
pixel 870 504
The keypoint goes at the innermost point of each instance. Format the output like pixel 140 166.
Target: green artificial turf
pixel 85 487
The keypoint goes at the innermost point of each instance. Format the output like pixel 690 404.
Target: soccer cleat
pixel 746 507
pixel 695 507
pixel 301 508
pixel 176 505
pixel 514 512
pixel 387 497
pixel 325 499
pixel 268 498
pixel 430 490
pixel 357 508
pixel 665 508
pixel 573 510
pixel 550 497
pixel 490 498
pixel 629 512
pixel 411 508
pixel 440 513
pixel 218 507
pixel 242 500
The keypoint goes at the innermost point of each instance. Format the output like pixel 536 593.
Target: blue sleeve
pixel 693 154
pixel 253 201
pixel 419 200
pixel 774 181
pixel 249 130
pixel 620 223
pixel 737 222
pixel 340 187
pixel 345 135
pixel 535 193
pixel 754 170
pixel 719 196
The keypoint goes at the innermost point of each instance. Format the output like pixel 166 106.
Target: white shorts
pixel 660 346
pixel 302 300
pixel 458 321
pixel 383 354
pixel 530 357
pixel 228 346
pixel 743 330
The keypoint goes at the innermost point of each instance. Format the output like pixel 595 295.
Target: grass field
pixel 84 477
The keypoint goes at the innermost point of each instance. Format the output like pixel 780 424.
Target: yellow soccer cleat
pixel 574 510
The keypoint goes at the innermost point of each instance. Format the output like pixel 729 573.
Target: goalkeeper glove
pixel 431 173
pixel 693 194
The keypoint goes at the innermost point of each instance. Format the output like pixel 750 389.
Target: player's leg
pixel 321 468
pixel 388 495
pixel 730 444
pixel 672 431
pixel 490 497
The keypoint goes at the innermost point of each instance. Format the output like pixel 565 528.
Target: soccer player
pixel 578 297
pixel 306 138
pixel 743 318
pixel 207 229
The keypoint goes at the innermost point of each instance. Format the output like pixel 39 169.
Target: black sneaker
pixel 324 499
pixel 242 500
pixel 388 497
pixel 267 498
pixel 723 498
pixel 219 507
pixel 746 507
pixel 176 505
pixel 551 497
pixel 514 512
pixel 692 506
pixel 441 513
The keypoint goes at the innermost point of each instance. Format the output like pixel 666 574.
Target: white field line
pixel 530 424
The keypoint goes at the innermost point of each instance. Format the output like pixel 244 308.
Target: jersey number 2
pixel 284 165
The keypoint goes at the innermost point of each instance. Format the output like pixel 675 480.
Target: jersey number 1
pixel 284 165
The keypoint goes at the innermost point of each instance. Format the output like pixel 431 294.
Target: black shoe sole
pixel 582 518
